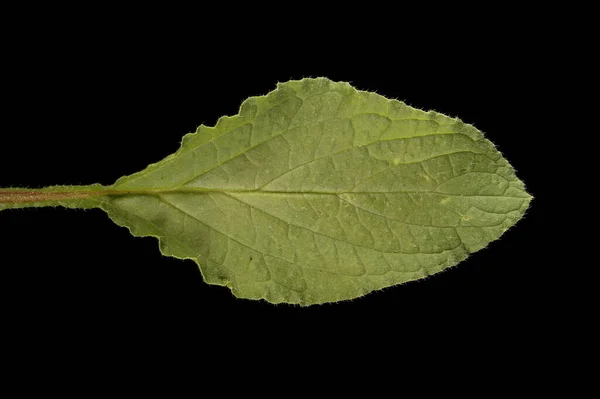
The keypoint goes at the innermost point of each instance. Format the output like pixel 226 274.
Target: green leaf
pixel 316 193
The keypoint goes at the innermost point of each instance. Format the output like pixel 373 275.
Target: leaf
pixel 318 193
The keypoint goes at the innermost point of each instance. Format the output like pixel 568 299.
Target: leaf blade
pixel 318 192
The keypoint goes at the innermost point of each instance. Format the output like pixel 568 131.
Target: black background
pixel 90 104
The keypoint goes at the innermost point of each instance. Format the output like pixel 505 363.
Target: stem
pixel 15 196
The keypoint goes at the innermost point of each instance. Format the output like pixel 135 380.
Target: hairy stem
pixel 39 195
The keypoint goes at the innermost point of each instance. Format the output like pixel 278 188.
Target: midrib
pixel 32 195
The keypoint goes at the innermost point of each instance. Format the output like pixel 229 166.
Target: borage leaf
pixel 315 193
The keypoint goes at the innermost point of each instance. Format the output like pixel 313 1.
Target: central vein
pixel 44 195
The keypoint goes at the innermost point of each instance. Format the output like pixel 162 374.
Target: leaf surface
pixel 318 192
